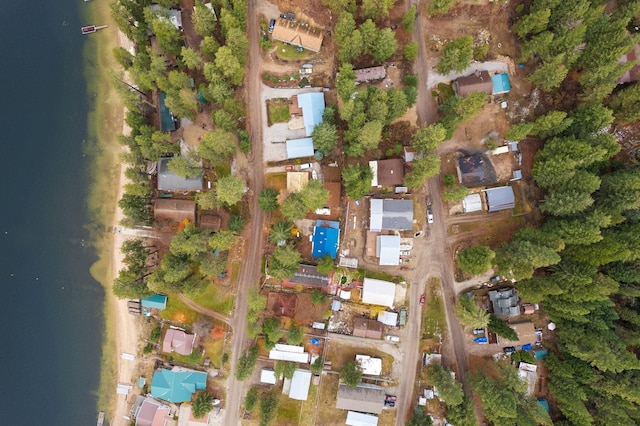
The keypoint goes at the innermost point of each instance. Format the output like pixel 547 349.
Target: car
pixel 405 252
pixel 305 166
pixel 422 299
pixel 289 15
pixel 272 25
pixel 288 168
pixel 495 278
pixel 509 350
pixel 393 338
pixel 392 398
pixel 390 404
pixel 429 216
pixel 478 331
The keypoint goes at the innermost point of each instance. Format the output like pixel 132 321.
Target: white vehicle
pixel 306 166
pixel 429 216
pixel 391 338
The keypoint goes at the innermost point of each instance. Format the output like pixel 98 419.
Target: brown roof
pixel 476 82
pixel 364 398
pixel 210 221
pixel 294 108
pixel 368 328
pixel 390 172
pixel 298 34
pixel 334 189
pixel 174 210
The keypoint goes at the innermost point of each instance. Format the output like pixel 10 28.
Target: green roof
pixel 177 385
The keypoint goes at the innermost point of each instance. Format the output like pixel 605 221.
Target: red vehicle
pixel 288 168
pixel 422 297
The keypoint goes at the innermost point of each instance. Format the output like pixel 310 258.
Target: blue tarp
pixel 480 340
pixel 501 84
pixel 544 403
pixel 167 123
pixel 527 347
pixel 315 342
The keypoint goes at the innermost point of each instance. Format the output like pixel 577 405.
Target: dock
pixel 89 29
pixel 100 418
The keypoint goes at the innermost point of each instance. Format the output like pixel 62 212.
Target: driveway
pixel 493 66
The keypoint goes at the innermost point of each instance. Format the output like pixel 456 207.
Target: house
pixel 177 385
pixel 178 341
pixel 472 203
pixel 312 105
pixel 370 366
pixel 170 182
pixel 387 172
pixel 300 385
pixel 157 301
pixel 367 328
pixel 167 120
pixel 174 211
pixel 268 376
pixel 528 373
pixel 471 170
pixel 480 81
pixel 378 292
pixel 505 302
pixel 501 198
pixel 292 353
pixel 364 75
pixel 388 249
pixel 388 318
pixel 307 276
pixel 299 148
pixel 298 34
pixel 391 215
pixel 501 84
pixel 150 412
pixel 363 398
pixel 360 419
pixel 325 239
pixel 171 15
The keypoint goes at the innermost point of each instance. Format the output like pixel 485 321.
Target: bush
pixel 155 334
pixel 250 400
pixel 449 180
pixel 147 349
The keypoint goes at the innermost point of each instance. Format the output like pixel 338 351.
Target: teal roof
pixel 157 301
pixel 312 105
pixel 177 385
pixel 167 123
pixel 501 84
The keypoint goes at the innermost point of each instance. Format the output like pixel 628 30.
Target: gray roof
pixel 388 249
pixel 363 398
pixel 168 181
pixel 505 302
pixel 391 214
pixel 308 275
pixel 501 198
pixel 369 74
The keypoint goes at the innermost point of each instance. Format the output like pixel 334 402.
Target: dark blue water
pixel 51 320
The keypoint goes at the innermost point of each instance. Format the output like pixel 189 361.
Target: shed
pixel 167 120
pixel 363 398
pixel 378 292
pixel 170 182
pixel 517 175
pixel 388 318
pixel 501 84
pixel 370 366
pixel 298 34
pixel 300 385
pixel 312 105
pixel 335 305
pixel 168 209
pixel 359 419
pixel 388 249
pixel 367 328
pixel 472 203
pixel 326 238
pixel 268 376
pixel 157 301
pixel 391 215
pixel 299 148
pixel 364 75
pixel 410 154
pixel 178 341
pixel 387 172
pixel 177 385
pixel 500 198
pixel 526 332
pixel 480 81
pixel 308 276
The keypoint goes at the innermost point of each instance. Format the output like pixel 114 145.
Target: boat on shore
pixel 92 28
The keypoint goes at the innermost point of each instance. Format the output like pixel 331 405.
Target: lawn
pixel 291 53
pixel 378 275
pixel 222 169
pixel 276 181
pixel 215 297
pixel 308 407
pixel 387 418
pixel 278 111
pixel 288 411
pixel 328 414
pixel 178 312
pixel 195 358
pixel 213 349
pixel 434 321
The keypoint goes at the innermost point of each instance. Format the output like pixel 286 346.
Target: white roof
pixel 388 249
pixel 472 203
pixel 373 165
pixel 289 348
pixel 370 366
pixel 375 221
pixel 300 385
pixel 378 292
pixel 388 318
pixel 359 419
pixel 267 375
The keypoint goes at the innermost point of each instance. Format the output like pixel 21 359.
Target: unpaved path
pixel 426 107
pixel 204 311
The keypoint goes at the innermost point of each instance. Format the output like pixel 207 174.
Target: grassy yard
pixel 222 169
pixel 288 411
pixel 328 414
pixel 214 297
pixel 308 406
pixel 291 53
pixel 178 312
pixel 378 275
pixel 195 358
pixel 276 181
pixel 387 417
pixel 434 321
pixel 278 111
pixel 213 350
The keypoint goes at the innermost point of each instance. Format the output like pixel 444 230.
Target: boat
pixel 92 28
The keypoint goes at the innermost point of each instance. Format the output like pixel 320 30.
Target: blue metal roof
pixel 312 105
pixel 500 83
pixel 157 301
pixel 298 148
pixel 326 237
pixel 177 386
pixel 167 123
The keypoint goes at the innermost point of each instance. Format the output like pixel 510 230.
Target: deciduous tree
pixel 351 373
pixel 476 260
pixel 229 190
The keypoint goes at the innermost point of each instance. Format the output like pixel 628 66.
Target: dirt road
pixel 250 271
pixel 205 311
pixel 427 110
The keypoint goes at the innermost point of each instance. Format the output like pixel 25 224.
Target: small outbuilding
pixel 175 211
pixel 364 75
pixel 300 383
pixel 312 105
pixel 360 419
pixel 367 328
pixel 268 376
pixel 501 198
pixel 378 292
pixel 501 84
pixel 370 366
pixel 387 172
pixel 472 203
pixel 388 318
pixel 157 301
pixel 388 249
